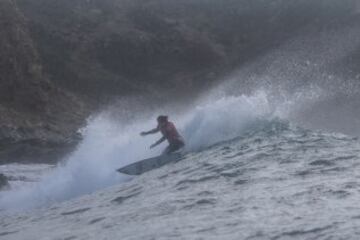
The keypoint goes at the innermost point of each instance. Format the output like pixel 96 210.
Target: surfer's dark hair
pixel 162 118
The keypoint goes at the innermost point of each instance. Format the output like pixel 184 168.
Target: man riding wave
pixel 169 133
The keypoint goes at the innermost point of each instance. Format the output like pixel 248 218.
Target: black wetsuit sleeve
pixel 155 130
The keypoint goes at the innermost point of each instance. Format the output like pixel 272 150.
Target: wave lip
pixel 109 144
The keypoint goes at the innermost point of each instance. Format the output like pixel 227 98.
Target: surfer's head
pixel 162 119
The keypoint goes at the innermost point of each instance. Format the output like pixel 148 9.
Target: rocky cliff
pixel 163 49
pixel 33 111
pixel 60 59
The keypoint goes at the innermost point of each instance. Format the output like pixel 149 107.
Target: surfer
pixel 169 133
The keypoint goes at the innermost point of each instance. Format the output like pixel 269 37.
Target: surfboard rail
pixel 146 165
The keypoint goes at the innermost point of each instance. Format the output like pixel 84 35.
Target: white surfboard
pixel 145 165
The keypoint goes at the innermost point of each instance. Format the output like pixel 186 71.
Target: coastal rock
pixel 3 181
pixel 32 108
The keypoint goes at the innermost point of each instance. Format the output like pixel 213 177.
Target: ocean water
pixel 270 154
pixel 274 181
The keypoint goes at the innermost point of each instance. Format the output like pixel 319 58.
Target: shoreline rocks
pixel 3 182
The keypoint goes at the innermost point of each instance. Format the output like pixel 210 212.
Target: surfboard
pixel 146 165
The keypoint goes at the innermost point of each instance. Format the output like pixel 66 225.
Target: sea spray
pixel 107 144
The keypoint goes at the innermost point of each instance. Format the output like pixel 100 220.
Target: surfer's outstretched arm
pixel 155 130
pixel 158 142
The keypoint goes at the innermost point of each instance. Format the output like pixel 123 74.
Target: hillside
pixel 33 111
pixel 162 49
pixel 63 60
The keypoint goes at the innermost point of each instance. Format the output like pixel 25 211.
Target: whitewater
pixel 249 173
pixel 109 144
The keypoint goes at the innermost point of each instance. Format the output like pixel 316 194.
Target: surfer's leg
pixel 179 145
pixel 167 150
pixel 173 147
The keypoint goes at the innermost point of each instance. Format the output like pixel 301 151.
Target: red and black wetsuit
pixel 169 131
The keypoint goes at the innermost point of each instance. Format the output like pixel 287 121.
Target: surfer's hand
pixel 152 146
pixel 142 133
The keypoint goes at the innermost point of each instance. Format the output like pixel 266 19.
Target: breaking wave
pixel 108 144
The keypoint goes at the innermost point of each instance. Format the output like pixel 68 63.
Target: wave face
pixel 109 144
pixel 275 181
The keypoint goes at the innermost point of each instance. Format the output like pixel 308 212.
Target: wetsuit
pixel 172 136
